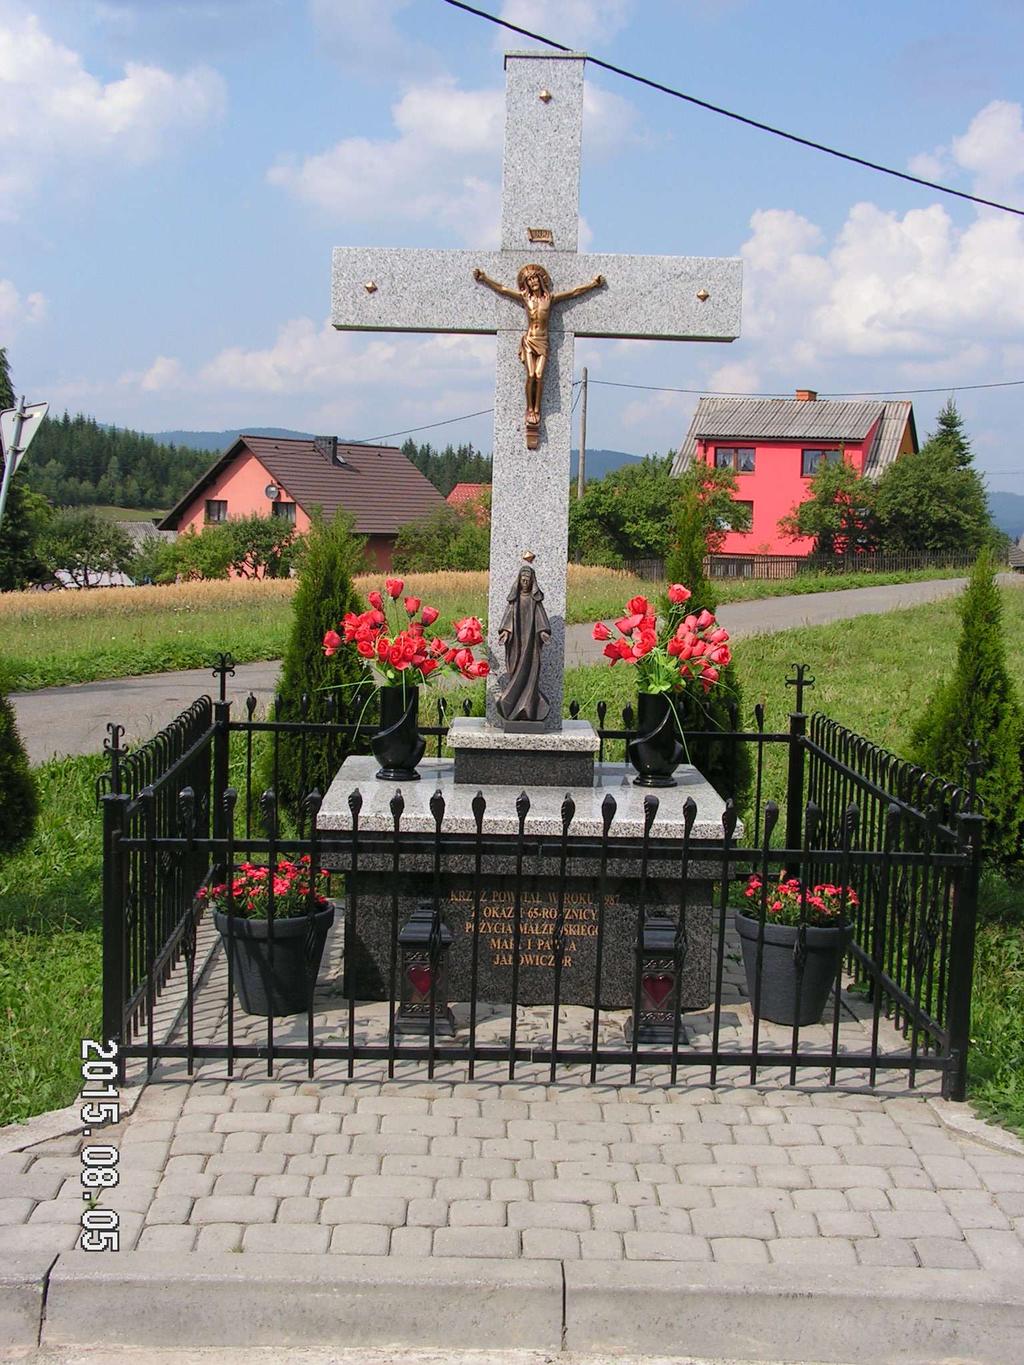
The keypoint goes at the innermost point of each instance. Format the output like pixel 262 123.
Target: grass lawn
pixel 872 674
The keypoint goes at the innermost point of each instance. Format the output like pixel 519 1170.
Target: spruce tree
pixel 19 803
pixel 978 702
pixel 331 554
pixel 949 431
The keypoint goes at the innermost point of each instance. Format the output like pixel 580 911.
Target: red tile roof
pixel 467 492
pixel 378 485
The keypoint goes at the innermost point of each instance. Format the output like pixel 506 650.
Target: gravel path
pixel 73 720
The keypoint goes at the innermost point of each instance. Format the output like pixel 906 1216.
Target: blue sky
pixel 174 173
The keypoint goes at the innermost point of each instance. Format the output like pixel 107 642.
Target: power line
pixel 843 393
pixel 429 426
pixel 741 118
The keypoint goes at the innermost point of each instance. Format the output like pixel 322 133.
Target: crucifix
pixel 565 294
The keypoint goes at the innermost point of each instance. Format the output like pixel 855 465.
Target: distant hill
pixel 218 441
pixel 1008 512
pixel 602 462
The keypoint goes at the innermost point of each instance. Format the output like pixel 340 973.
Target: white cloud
pixel 443 163
pixel 440 166
pixel 365 40
pixel 16 309
pixel 53 111
pixel 991 151
pixel 575 22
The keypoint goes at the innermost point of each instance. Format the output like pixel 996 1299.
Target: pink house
pixel 775 445
pixel 290 479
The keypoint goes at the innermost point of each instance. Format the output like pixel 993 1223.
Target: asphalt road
pixel 73 720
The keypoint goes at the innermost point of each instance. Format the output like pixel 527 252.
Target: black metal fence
pixel 904 847
pixel 778 568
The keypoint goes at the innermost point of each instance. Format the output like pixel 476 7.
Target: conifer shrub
pixel 330 556
pixel 19 804
pixel 978 702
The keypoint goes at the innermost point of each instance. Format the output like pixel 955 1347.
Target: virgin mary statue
pixel 524 631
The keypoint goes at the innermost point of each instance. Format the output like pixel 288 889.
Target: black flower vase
pixel 398 745
pixel 656 752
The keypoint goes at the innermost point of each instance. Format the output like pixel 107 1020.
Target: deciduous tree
pixel 85 547
pixel 839 512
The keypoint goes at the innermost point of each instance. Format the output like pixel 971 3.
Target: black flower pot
pixel 779 968
pixel 275 978
pixel 656 752
pixel 398 745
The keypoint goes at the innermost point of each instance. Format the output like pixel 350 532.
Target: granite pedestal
pixel 487 756
pixel 376 885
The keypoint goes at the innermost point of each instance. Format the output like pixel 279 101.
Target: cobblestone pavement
pixel 412 1167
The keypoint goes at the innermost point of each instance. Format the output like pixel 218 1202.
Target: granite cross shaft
pixel 678 298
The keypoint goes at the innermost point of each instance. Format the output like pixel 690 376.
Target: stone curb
pixel 882 1317
pixel 962 1120
pixel 23 1280
pixel 55 1123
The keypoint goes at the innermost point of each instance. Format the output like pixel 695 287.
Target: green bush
pixel 19 803
pixel 978 702
pixel 331 555
pixel 446 538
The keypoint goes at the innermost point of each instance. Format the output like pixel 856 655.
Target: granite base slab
pixel 488 755
pixel 511 908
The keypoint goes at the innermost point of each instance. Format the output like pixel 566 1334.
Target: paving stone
pixel 311 1164
pixel 549 1214
pixel 234 1209
pixel 199 1103
pixel 411 1241
pixel 422 1125
pixel 793 1135
pixel 945 1253
pixel 219 1237
pixel 480 1128
pixel 235 1182
pixel 868 1199
pixel 686 1196
pixel 151 1130
pixel 574 1191
pixel 533 1169
pixel 636 1193
pixel 243 1142
pixel 665 1246
pixel 288 1238
pixel 664 1220
pixel 40 1236
pixel 236 1122
pixel 169 1209
pixel 551 1244
pixel 330 1186
pixel 429 1213
pixel 911 1223
pixel 56 1211
pixel 194 1123
pixel 365 1212
pixel 484 1242
pixel 196 1144
pixel 251 1102
pixel 460 1187
pixel 352 1164
pixel 804 1155
pixel 1011 1203
pixel 387 1144
pixel 433 1167
pixel 997 1250
pixel 392 1104
pixel 489 1168
pixel 834 1136
pixel 720 1175
pixel 886 1251
pixel 246 1163
pixel 835 1223
pixel 739 1250
pixel 724 1222
pixel 282 1186
pixel 974 1209
pixel 15 1210
pixel 146 1156
pixel 294 1104
pixel 354 1124
pixel 290 1144
pixel 731 1197
pixel 361 1239
pixel 509 1191
pixel 811 1251
pixel 298 1209
pixel 849 1177
pixel 795 1225
pixel 600 1246
pixel 613 1218
pixel 818 1201
pixel 167 1238
pixel 184 1165
pixel 951 1173
pixel 927 1201
pixel 479 1213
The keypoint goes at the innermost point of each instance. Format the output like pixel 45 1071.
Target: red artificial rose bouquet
pixel 394 643
pixel 685 647
pixel 251 886
pixel 826 904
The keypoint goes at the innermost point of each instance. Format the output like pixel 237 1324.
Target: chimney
pixel 806 395
pixel 327 446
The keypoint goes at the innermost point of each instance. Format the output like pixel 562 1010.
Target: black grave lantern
pixel 424 943
pixel 655 1020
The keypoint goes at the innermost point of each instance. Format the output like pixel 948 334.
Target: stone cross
pixel 678 298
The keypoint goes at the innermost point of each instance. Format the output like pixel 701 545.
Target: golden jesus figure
pixel 533 290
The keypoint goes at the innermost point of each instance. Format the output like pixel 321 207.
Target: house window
pixel 810 460
pixel 284 510
pixel 727 523
pixel 216 510
pixel 738 458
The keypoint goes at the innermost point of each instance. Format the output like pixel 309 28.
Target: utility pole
pixel 581 472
